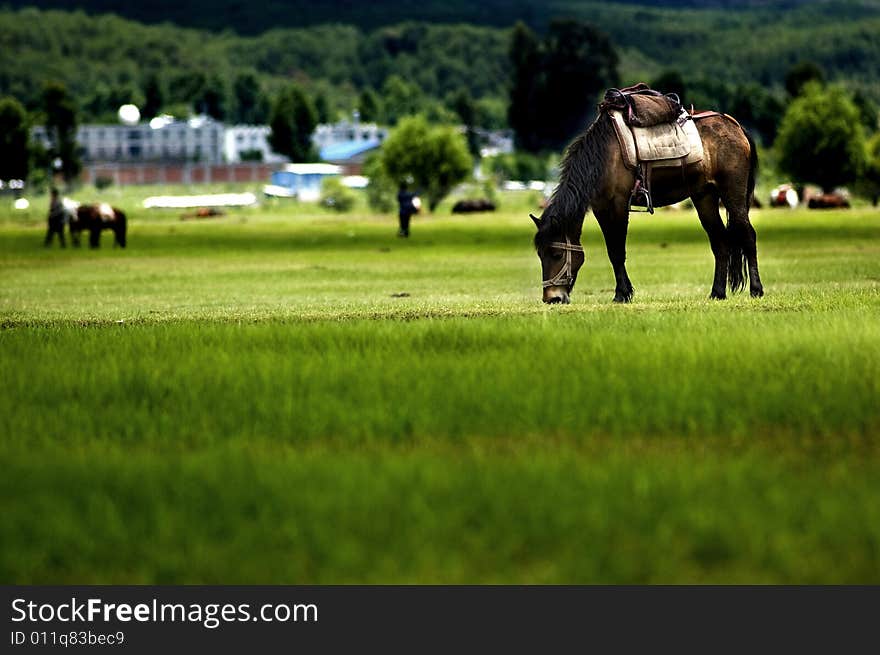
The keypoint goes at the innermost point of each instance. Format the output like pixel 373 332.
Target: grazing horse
pixel 95 218
pixel 594 175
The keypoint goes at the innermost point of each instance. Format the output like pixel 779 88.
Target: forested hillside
pixel 106 60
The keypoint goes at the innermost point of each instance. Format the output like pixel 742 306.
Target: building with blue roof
pixel 347 143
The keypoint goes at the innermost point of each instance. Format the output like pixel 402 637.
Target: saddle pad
pixel 106 212
pixel 661 145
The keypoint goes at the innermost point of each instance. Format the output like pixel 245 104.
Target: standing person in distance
pixel 408 204
pixel 57 219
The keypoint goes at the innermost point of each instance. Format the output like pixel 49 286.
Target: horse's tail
pixel 121 227
pixel 753 168
pixel 737 231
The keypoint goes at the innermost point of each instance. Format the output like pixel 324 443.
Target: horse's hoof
pixel 757 293
pixel 718 296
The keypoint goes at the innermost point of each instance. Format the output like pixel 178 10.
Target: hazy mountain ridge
pixel 253 18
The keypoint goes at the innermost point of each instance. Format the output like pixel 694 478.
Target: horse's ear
pixel 537 220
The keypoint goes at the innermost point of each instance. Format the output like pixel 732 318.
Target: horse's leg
pixel 707 209
pixel 614 224
pixel 743 246
pixel 95 237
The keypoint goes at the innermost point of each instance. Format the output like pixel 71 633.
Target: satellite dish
pixel 129 114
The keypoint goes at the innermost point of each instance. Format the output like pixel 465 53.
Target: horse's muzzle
pixel 556 296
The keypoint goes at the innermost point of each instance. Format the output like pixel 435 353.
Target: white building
pixel 202 139
pixel 198 139
pixel 249 139
pixel 346 132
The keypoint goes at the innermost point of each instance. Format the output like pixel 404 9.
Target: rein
pixel 564 276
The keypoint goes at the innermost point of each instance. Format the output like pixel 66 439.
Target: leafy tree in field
pixel 400 98
pixel 369 106
pixel 557 82
pixel 292 122
pixel 154 96
pixel 14 147
pixel 821 139
pixel 799 75
pixel 381 189
pixel 336 196
pixel 435 157
pixel 60 114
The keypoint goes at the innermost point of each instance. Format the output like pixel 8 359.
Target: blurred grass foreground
pixel 270 397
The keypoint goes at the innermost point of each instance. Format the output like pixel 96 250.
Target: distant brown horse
pixel 594 175
pixel 95 218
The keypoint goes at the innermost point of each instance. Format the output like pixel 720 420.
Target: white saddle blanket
pixel 661 145
pixel 106 212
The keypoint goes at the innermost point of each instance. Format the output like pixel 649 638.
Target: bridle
pixel 564 277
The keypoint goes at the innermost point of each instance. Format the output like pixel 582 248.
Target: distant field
pixel 253 400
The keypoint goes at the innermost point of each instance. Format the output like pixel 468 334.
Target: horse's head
pixel 561 256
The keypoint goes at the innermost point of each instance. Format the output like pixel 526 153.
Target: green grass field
pixel 252 400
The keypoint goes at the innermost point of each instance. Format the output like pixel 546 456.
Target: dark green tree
pixel 187 87
pixel 523 110
pixel 491 113
pixel 369 106
pixel 104 101
pixel 800 74
pixel 758 109
pixel 435 157
pixel 251 104
pixel 322 108
pixel 670 81
pixel 870 181
pixel 292 122
pixel 61 119
pixel 821 140
pixel 213 99
pixel 867 110
pixel 463 105
pixel 14 140
pixel 520 165
pixel 557 83
pixel 154 96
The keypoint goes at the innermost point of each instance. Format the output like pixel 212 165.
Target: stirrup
pixel 637 207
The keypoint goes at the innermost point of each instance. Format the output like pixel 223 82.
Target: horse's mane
pixel 580 174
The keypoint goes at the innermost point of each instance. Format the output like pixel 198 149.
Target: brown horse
pixel 95 218
pixel 594 175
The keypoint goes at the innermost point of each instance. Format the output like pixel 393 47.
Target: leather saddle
pixel 653 131
pixel 642 106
